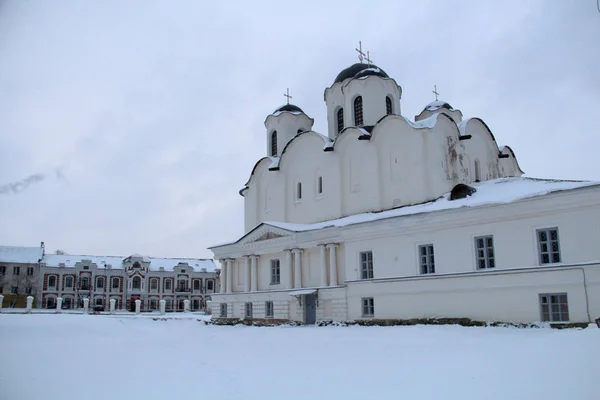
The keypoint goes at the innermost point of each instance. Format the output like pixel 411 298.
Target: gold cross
pixel 435 92
pixel 288 95
pixel 360 52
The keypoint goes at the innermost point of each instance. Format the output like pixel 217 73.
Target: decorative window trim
pixel 275 272
pixel 269 309
pixel 248 310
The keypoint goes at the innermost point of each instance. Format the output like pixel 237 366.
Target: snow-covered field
pixel 88 357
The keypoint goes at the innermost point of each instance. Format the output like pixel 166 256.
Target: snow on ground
pixel 123 357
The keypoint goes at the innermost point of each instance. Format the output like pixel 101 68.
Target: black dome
pixel 289 107
pixel 359 70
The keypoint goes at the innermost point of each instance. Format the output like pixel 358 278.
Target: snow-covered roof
pixel 17 254
pixel 436 105
pixel 497 191
pixel 116 262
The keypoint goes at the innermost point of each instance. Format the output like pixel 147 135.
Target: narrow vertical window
pixel 549 247
pixel 358 111
pixel 388 105
pixel 299 191
pixel 477 171
pixel 115 283
pixel 223 310
pixel 427 259
pixel 484 249
pixel 269 311
pixel 366 265
pixel 274 144
pixel 275 272
pixel 100 283
pixel 320 185
pixel 52 282
pixel 248 310
pixel 340 120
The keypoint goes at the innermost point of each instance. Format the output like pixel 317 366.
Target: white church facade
pixel 388 218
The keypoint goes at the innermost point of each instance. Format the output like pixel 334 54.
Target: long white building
pixel 388 218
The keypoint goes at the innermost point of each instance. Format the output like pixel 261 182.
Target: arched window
pixel 300 130
pixel 153 304
pixel 274 144
pixel 85 283
pixel 136 283
pixel 340 120
pixel 197 284
pixel 100 283
pixel 136 264
pixel 51 302
pixel 388 105
pixel 358 111
pixel 154 284
pixel 115 283
pixel 69 282
pixel 52 281
pixel 477 172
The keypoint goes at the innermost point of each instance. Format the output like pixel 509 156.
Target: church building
pixel 384 217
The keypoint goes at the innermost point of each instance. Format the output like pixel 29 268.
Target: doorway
pixel 310 308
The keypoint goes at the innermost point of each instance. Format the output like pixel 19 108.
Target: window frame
pixel 154 284
pixel 368 307
pixel 248 309
pixel 298 192
pixel 2 270
pixel 485 250
pixel 112 283
pixel 168 282
pixel 30 271
pixel 366 265
pixel 100 282
pixel 67 280
pixel 16 270
pixel 550 253
pixel 340 119
pixel 429 267
pixel 275 271
pixel 320 186
pixel 269 309
pixel 548 316
pixel 389 106
pixel 223 310
pixel 273 143
pixel 359 119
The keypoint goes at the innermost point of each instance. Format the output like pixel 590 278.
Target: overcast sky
pixel 134 123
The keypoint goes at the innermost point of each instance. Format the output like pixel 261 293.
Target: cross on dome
pixel 287 94
pixel 360 52
pixel 435 92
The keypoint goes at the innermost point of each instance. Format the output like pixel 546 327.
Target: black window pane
pixel 545 259
pixel 542 236
pixel 556 257
pixel 554 234
pixel 490 242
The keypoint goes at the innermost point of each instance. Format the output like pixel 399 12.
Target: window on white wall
pixel 299 191
pixel 320 185
pixel 388 105
pixel 477 171
pixel 223 310
pixel 69 282
pixel 340 120
pixel 248 310
pixel 368 307
pixel 548 246
pixel 366 265
pixel 269 310
pixel 427 259
pixel 275 272
pixel 484 249
pixel 554 307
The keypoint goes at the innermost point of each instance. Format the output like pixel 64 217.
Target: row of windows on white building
pixel 553 306
pixel 136 284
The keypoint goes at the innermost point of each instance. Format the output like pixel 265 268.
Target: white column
pixel 186 306
pixel 229 275
pixel 332 264
pixel 58 304
pixel 223 277
pixel 163 305
pixel 113 303
pixel 254 279
pixel 247 274
pixel 288 270
pixel 323 264
pixel 138 306
pixel 1 298
pixel 86 303
pixel 29 303
pixel 297 268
